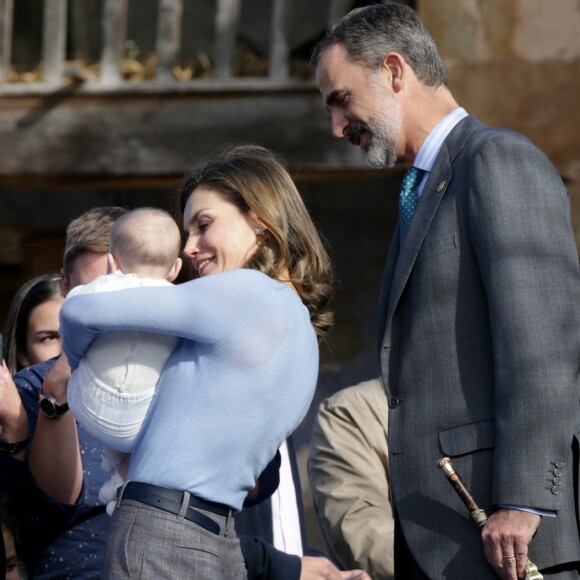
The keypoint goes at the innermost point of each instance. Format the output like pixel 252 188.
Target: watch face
pixel 51 408
pixel 48 407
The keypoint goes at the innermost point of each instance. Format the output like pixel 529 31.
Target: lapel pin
pixel 441 186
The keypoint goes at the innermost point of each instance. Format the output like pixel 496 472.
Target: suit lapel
pixel 433 192
pixel 387 284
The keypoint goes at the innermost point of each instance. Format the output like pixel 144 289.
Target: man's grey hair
pixel 369 33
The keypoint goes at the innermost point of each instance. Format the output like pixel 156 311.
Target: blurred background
pixel 109 102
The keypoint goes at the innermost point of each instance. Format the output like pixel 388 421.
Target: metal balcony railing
pixel 110 77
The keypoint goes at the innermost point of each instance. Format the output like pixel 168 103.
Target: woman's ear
pixel 22 359
pixel 258 227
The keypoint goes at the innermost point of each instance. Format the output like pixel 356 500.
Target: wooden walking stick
pixel 477 513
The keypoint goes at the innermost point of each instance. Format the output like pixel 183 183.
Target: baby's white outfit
pixel 110 391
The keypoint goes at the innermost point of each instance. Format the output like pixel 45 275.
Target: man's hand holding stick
pixel 478 514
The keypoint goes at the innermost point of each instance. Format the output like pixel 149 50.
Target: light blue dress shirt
pixel 430 148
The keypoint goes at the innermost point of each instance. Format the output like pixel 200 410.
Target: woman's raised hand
pixel 13 418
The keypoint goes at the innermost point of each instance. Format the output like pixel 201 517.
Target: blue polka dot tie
pixel 408 198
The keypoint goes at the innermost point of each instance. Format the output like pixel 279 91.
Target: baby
pixel 110 391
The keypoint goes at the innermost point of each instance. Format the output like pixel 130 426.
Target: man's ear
pixel 112 264
pixel 174 272
pixel 394 66
pixel 64 282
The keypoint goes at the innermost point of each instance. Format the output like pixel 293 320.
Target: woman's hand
pixel 13 418
pixel 56 382
pixel 320 568
pixel 54 458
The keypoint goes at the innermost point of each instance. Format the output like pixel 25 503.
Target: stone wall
pixel 516 64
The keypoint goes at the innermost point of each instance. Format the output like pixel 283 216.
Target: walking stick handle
pixel 477 513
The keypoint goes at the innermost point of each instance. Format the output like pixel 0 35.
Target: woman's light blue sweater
pixel 239 381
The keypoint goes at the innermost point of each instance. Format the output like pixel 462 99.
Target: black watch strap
pixel 50 408
pixel 14 446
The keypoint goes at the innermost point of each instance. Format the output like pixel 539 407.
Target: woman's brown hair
pixel 256 180
pixel 30 295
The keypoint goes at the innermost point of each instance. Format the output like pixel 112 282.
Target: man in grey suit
pixel 479 311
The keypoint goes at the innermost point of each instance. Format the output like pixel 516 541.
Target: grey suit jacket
pixel 480 351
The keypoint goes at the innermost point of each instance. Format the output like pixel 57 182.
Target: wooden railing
pixel 167 44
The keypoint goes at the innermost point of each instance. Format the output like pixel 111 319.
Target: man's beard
pixel 383 129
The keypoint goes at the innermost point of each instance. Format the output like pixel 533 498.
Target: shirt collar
pixel 430 148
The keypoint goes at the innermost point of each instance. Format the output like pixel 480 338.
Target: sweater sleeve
pixel 204 310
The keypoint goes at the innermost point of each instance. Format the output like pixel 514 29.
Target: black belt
pixel 171 500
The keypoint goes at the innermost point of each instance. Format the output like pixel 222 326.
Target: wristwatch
pixel 50 408
pixel 14 446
